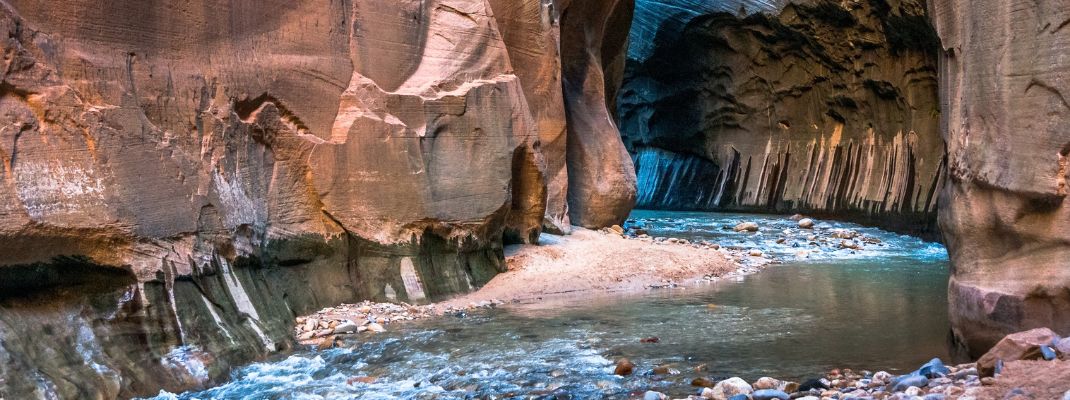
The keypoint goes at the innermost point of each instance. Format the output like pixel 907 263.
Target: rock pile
pixel 931 381
pixel 807 237
pixel 322 328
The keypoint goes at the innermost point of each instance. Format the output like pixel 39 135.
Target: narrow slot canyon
pixel 534 199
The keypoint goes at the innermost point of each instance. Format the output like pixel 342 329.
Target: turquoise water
pixel 881 308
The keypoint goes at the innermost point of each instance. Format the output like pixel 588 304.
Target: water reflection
pixel 881 310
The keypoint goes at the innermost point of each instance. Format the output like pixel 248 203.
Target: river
pixel 821 307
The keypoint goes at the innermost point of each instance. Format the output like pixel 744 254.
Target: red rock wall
pixel 240 161
pixel 1006 121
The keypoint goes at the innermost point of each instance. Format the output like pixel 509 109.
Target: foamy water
pixel 881 308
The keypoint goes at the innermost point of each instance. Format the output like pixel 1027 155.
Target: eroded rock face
pixel 1007 127
pixel 180 179
pixel 825 107
pixel 602 183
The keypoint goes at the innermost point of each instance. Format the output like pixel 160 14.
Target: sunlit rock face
pixel 1007 126
pixel 181 178
pixel 825 107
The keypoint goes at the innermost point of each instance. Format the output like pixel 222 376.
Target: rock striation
pixel 180 179
pixel 822 107
pixel 1005 209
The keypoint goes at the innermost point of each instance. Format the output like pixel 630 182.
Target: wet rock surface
pixel 825 107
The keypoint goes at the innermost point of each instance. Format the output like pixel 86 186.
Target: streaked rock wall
pixel 179 179
pixel 816 108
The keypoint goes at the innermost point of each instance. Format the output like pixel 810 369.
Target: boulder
pixel 1018 346
pixel 806 223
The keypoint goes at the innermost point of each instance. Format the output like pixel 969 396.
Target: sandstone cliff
pixel 181 178
pixel 822 107
pixel 1007 125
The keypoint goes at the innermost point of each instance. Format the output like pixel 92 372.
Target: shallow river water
pixel 884 307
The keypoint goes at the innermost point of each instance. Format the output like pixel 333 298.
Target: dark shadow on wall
pixel 821 109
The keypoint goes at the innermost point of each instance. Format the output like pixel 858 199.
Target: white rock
pixel 747 227
pixel 652 395
pixel 882 376
pixel 766 382
pixel 806 223
pixel 375 327
pixel 730 387
pixel 346 327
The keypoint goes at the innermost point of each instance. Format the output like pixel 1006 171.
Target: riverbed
pixel 882 307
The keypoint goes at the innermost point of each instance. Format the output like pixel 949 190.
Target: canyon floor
pixel 533 338
pixel 588 261
pixel 583 262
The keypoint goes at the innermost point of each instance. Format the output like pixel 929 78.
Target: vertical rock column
pixel 1006 120
pixel 531 30
pixel 601 175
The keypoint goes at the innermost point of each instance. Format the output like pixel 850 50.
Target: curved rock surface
pixel 822 107
pixel 1007 126
pixel 601 176
pixel 181 178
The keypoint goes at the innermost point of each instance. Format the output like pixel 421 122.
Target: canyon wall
pixel 822 107
pixel 181 178
pixel 1006 121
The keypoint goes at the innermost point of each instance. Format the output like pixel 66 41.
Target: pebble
pixel 770 394
pixel 624 367
pixel 731 387
pixel 376 328
pixel 806 223
pixel 746 227
pixel 665 370
pixel 1047 352
pixel 346 327
pixel 765 382
pixel 703 382
pixel 813 384
pixel 652 395
pixel 906 381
